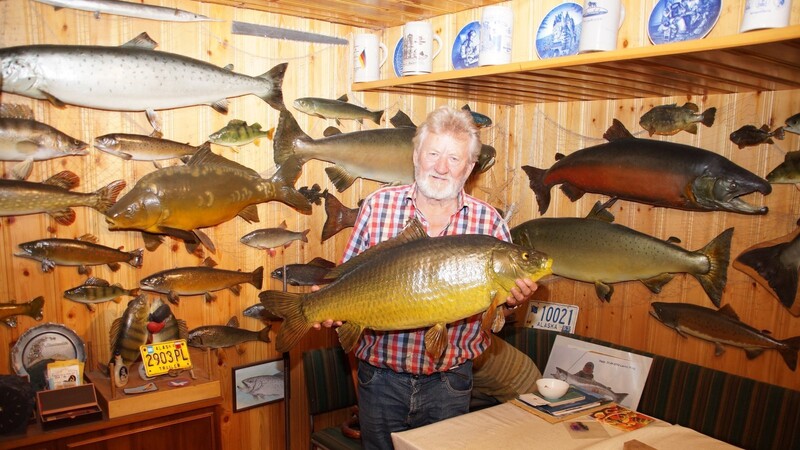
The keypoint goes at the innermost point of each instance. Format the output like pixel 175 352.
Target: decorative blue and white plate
pixel 682 20
pixel 466 46
pixel 560 31
pixel 397 60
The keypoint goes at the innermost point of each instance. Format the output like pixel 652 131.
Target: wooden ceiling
pixel 372 14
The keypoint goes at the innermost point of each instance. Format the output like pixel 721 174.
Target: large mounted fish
pixel 9 311
pixel 650 171
pixel 54 197
pixel 207 191
pixel 130 9
pixel 130 77
pixel 723 327
pixel 339 109
pixel 411 281
pixel 81 252
pixel 138 147
pixel 24 139
pixel 228 335
pixel 597 251
pixel 200 281
pixel 774 264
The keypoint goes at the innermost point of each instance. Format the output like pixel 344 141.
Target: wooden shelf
pixel 765 60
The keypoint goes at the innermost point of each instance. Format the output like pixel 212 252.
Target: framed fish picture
pixel 260 383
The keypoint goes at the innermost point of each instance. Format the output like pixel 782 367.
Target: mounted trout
pixel 649 171
pixel 200 281
pixel 207 191
pixel 597 251
pixel 412 281
pixel 81 252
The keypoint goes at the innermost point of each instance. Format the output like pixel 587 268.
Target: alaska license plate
pixel 552 316
pixel 164 357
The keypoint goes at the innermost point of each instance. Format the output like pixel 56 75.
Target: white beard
pixel 438 189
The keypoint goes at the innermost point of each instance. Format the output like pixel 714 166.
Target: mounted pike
pixel 103 78
pixel 207 191
pixel 723 327
pixel 412 281
pixel 24 139
pixel 597 251
pixel 54 197
pixel 80 252
pixel 130 9
pixel 201 280
pixel 650 171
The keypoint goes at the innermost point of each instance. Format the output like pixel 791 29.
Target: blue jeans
pixel 389 401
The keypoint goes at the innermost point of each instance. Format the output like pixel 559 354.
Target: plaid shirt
pixel 383 215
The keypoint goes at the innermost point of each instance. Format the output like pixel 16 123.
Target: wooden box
pixel 68 406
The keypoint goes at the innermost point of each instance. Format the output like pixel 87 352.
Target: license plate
pixel 163 357
pixel 552 316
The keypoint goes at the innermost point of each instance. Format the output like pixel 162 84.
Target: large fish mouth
pixel 725 193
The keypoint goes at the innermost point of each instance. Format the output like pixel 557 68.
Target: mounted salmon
pixel 658 173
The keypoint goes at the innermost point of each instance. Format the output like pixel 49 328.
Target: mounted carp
pixel 200 281
pixel 207 191
pixel 54 197
pixel 24 139
pixel 658 173
pixel 774 265
pixel 723 327
pixel 102 77
pixel 411 281
pixel 96 290
pixel 139 147
pixel 9 311
pixel 597 251
pixel 228 335
pixel 80 252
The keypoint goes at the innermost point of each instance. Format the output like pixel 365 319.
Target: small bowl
pixel 552 388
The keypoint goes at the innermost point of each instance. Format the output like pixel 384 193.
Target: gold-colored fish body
pixel 200 281
pixel 77 252
pixel 54 197
pixel 129 332
pixel 671 119
pixel 238 132
pixel 33 308
pixel 425 282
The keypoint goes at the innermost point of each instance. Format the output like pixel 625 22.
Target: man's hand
pixel 328 323
pixel 521 293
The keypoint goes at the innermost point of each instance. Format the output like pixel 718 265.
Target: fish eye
pixel 524 256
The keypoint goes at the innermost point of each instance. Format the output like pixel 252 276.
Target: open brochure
pixel 622 417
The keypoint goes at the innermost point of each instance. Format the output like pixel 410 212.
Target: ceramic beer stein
pixel 418 50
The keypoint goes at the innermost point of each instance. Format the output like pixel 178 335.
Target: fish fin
pixel 52 99
pixel 600 211
pixel 263 335
pixel 16 111
pixel 152 241
pixel 764 265
pixel 113 266
pixel 436 340
pixel 348 335
pixel 143 41
pixel 657 282
pixel 692 128
pixel 490 315
pixel 779 133
pixel 708 116
pixel 11 321
pixel 64 179
pixel 105 197
pixel 673 240
pixel 340 177
pixel 287 133
pixel 499 320
pixel 209 297
pixel 64 216
pixel 536 183
pixel 335 213
pixel 572 192
pixel 789 352
pixel 719 349
pixel 604 291
pixel 617 131
pixel 90 307
pixel 764 128
pixel 154 119
pixel 274 95
pixel 718 252
pixel 205 240
pixel 288 306
pixel 119 299
pixel 413 231
pixel 250 214
pixel 271 252
pixel 377 116
pixel 331 131
pixel 22 170
pixel 233 322
pixel 769 141
pixel 303 235
pixel 322 262
pixel 339 122
pixel 209 262
pixel 236 289
pixel 691 106
pixel 343 98
pixel 83 270
pixel 285 192
pixel 727 310
pixel 220 106
pixel 174 298
pixel 137 257
pixel 258 277
pixel 753 352
pixel 229 67
pixel 88 237
pixel 401 120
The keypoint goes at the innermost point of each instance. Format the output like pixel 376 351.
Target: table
pixel 508 426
